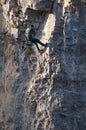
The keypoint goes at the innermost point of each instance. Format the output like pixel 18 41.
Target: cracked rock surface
pixel 48 91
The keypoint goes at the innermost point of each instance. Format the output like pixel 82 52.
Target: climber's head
pixel 32 26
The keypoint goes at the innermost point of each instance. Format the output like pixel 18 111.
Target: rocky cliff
pixel 48 91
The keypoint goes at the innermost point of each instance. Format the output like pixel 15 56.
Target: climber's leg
pixel 35 40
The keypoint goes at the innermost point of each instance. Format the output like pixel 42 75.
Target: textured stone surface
pixel 48 91
pixel 44 5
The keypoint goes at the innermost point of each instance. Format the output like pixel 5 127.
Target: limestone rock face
pixel 48 91
pixel 44 5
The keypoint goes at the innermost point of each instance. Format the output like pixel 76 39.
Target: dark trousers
pixel 36 41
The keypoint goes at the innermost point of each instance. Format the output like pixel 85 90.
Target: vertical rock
pixel 43 92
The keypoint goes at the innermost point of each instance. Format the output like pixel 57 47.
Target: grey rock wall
pixel 44 92
pixel 44 5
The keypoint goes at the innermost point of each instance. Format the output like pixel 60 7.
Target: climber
pixel 30 33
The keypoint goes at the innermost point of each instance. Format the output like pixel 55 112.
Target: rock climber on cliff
pixel 30 33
